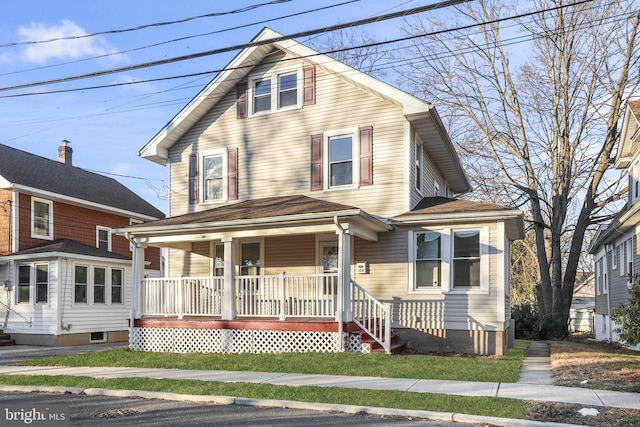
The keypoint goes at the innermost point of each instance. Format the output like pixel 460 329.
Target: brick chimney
pixel 65 153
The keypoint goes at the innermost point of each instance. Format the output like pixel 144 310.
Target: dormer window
pixel 287 90
pixel 262 96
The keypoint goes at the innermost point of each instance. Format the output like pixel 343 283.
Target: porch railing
pixel 373 316
pixel 282 295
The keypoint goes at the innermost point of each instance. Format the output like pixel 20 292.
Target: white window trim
pixel 88 285
pixel 354 133
pixel 274 75
pixel 447 262
pixel 33 234
pixel 614 260
pixel 100 228
pixel 91 283
pixel 107 271
pixel 109 286
pixel 33 284
pixel 436 188
pixel 225 172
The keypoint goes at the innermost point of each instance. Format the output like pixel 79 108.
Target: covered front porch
pixel 275 282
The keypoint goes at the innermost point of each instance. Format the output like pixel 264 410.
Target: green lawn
pixel 484 369
pixel 487 406
pixel 462 368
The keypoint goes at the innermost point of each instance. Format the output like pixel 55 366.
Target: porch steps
pixel 5 339
pixel 397 347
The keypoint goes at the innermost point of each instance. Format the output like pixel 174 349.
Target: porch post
pixel 229 291
pixel 344 274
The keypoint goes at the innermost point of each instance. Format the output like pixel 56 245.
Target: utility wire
pixel 183 38
pixel 434 6
pixel 334 51
pixel 141 27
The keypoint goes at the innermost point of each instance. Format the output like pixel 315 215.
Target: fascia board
pixel 622 161
pixel 52 255
pixel 79 202
pixel 4 183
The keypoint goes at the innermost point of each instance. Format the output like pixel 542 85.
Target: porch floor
pixel 246 323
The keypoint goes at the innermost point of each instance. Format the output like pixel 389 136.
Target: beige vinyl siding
pixel 388 280
pixel 429 176
pixel 274 149
pixel 290 254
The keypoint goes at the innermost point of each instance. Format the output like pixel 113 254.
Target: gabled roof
pixel 68 246
pixel 438 210
pixel 421 114
pixel 628 133
pixel 33 174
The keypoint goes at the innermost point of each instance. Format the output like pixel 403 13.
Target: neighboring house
pixel 65 279
pixel 311 202
pixel 583 303
pixel 615 246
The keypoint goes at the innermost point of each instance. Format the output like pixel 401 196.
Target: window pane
pixel 427 274
pixel 42 283
pixel 116 286
pixel 213 178
pixel 99 282
pixel 288 90
pixel 262 96
pixel 340 149
pixel 428 246
pixel 80 284
pixel 466 244
pixel 250 259
pixel 24 282
pixel 341 174
pixel 103 239
pixel 466 272
pixel 41 218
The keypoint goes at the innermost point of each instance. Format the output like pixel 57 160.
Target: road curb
pixel 289 404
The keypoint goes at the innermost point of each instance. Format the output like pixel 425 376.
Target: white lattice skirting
pixel 182 340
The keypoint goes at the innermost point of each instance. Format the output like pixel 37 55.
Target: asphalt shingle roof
pixel 255 209
pixel 446 205
pixel 70 247
pixel 30 170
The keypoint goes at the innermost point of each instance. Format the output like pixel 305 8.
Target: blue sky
pixel 108 126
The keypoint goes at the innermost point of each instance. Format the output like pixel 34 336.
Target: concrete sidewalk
pixel 535 382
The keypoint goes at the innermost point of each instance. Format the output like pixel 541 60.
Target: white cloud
pixel 40 53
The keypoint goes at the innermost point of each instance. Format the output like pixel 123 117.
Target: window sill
pixel 468 291
pixel 279 110
pixel 423 291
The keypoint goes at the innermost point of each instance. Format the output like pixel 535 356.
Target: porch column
pixel 137 264
pixel 229 290
pixel 344 274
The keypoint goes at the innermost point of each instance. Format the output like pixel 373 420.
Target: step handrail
pixel 28 320
pixel 371 315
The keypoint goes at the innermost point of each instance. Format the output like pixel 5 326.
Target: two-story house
pixel 65 278
pixel 615 246
pixel 311 202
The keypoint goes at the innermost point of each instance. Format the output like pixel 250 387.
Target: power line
pixel 374 44
pixel 155 24
pixel 185 38
pixel 393 15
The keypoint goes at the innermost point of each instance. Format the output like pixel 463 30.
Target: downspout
pixel 341 298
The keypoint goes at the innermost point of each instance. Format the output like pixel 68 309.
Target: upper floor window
pixel 280 90
pixel 418 164
pixel 103 238
pixel 41 218
pixel 340 160
pixel 213 177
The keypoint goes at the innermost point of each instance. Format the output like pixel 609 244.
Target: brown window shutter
pixel 316 162
pixel 309 87
pixel 193 178
pixel 241 100
pixel 366 155
pixel 232 174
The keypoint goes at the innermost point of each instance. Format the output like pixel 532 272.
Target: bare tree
pixel 535 101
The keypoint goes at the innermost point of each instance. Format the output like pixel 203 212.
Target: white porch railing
pixel 283 295
pixel 182 296
pixel 373 316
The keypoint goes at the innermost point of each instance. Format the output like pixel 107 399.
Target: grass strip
pixel 474 405
pixel 458 368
